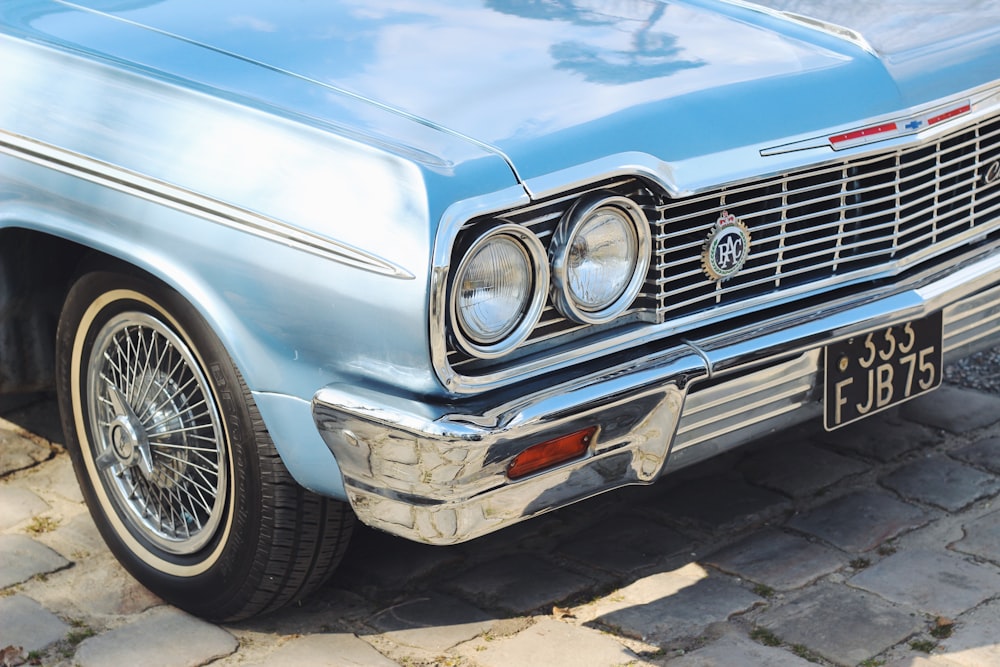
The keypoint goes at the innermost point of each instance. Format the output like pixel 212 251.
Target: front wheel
pixel 174 461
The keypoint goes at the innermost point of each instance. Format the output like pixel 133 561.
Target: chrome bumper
pixel 438 475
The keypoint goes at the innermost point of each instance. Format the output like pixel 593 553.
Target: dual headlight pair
pixel 595 266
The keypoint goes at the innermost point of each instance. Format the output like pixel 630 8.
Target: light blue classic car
pixel 446 266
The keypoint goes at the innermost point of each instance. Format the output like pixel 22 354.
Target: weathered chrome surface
pixel 440 476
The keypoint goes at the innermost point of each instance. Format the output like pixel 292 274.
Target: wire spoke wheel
pixel 160 443
pixel 173 458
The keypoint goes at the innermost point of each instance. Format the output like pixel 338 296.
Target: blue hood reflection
pixel 553 83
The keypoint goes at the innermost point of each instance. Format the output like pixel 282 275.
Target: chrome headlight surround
pixel 569 252
pixel 525 254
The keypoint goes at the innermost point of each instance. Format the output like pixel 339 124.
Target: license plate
pixel 875 371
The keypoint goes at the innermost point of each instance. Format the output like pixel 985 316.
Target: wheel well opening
pixel 36 272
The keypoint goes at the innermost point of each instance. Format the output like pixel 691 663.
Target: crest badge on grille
pixel 726 249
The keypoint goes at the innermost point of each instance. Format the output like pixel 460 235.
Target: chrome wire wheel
pixel 158 441
pixel 173 457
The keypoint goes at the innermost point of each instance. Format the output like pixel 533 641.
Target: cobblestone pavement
pixel 876 545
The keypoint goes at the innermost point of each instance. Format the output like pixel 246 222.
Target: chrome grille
pixel 811 230
pixel 845 219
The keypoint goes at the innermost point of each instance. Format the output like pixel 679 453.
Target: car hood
pixel 552 84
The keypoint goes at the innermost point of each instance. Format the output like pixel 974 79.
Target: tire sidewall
pixel 222 564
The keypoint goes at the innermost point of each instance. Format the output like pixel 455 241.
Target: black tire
pixel 174 461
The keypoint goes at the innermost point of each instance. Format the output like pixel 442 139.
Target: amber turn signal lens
pixel 549 453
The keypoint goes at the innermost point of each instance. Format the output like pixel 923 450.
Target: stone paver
pixel 671 605
pixel 36 419
pixel 501 583
pixel 77 536
pixel 936 661
pixel 984 453
pixel 326 650
pixel 22 558
pixel 17 505
pixel 843 625
pixel 799 470
pixel 860 521
pixel 545 643
pixel 942 481
pixel 975 642
pixel 26 624
pixel 379 552
pixel 884 439
pixel 982 537
pixel 160 637
pixel 97 587
pixel 720 502
pixel 57 481
pixel 778 559
pixel 733 649
pixel 434 623
pixel 625 543
pixel 17 452
pixel 955 409
pixel 937 582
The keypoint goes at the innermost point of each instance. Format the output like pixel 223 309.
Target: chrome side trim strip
pixel 318 82
pixel 187 201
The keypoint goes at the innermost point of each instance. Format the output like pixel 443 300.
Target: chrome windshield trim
pixel 187 201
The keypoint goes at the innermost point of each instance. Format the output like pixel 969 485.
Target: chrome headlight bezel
pixel 523 321
pixel 572 224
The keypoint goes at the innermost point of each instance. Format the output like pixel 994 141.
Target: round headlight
pixel 600 255
pixel 499 291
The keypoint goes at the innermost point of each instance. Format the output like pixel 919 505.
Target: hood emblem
pixel 892 129
pixel 726 249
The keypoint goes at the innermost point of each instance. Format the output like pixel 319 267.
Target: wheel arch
pixel 36 271
pixel 38 266
pixel 39 263
pixel 173 459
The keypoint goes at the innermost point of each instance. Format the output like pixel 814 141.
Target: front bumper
pixel 437 474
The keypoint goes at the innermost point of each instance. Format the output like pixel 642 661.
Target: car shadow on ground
pixel 790 545
pixel 764 547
